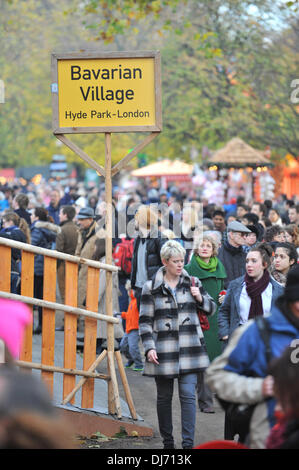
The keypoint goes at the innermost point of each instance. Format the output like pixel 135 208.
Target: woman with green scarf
pixel 205 265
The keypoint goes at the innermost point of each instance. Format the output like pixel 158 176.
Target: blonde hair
pixel 167 233
pixel 19 222
pixel 172 248
pixel 190 215
pixel 146 217
pixel 210 239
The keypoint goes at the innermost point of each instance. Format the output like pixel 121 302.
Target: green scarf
pixel 211 266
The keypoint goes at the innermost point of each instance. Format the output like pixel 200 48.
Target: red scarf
pixel 254 290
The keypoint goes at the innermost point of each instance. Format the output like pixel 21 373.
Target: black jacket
pixel 24 214
pixel 14 233
pixel 234 261
pixel 153 259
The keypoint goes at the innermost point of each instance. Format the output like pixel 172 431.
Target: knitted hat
pixel 14 317
pixel 291 291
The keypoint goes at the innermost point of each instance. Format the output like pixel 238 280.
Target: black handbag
pixel 240 414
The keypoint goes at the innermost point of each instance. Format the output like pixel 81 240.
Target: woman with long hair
pixel 250 295
pixel 285 257
pixel 291 233
pixel 43 234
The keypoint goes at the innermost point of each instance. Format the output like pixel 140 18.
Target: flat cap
pixel 235 226
pixel 86 213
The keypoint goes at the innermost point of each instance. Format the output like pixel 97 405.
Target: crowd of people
pixel 200 275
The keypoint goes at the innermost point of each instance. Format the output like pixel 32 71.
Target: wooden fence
pixel 91 315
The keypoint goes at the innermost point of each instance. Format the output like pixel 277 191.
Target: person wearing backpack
pixel 240 374
pixel 147 246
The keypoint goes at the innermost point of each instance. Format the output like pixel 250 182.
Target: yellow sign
pixel 112 93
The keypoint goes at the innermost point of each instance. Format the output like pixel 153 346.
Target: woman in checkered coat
pixel 173 340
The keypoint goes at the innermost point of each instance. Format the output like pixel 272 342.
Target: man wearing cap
pixel 240 374
pixel 231 253
pixel 84 249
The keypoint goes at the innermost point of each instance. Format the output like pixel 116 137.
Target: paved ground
pixel 209 426
pixel 143 390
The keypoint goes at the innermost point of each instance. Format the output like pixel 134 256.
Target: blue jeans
pixel 187 394
pixel 129 346
pixel 204 393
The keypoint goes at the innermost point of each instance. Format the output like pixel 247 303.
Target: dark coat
pixel 153 259
pixel 43 234
pixel 233 260
pixel 14 233
pixel 229 312
pixel 54 212
pixel 24 214
pixel 171 326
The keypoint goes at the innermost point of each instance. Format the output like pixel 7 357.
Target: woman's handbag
pixel 204 322
pixel 203 319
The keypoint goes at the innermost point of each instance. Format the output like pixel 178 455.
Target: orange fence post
pixel 5 271
pixel 90 334
pixel 48 326
pixel 27 286
pixel 70 326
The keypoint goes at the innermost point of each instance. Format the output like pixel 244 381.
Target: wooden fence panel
pixel 70 327
pixel 5 271
pixel 27 289
pixel 90 334
pixel 48 327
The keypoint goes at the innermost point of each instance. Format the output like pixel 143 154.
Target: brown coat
pixel 85 249
pixel 66 242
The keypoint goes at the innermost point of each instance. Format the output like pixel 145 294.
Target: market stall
pixel 242 168
pixel 166 171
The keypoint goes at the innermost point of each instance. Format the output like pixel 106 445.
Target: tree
pixel 226 72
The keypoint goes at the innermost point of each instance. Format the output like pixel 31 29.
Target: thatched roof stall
pixel 237 154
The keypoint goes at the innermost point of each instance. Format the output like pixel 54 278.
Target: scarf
pixel 254 290
pixel 211 266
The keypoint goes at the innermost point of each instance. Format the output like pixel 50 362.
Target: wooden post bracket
pixel 118 166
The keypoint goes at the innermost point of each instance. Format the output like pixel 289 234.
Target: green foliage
pixel 227 72
pixel 119 15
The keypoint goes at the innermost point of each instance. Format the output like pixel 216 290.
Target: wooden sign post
pixel 107 93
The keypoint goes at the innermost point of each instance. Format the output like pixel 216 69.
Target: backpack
pixel 239 415
pixel 123 254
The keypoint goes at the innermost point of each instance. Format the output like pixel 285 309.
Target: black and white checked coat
pixel 172 327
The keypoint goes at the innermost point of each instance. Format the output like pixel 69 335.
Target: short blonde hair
pixel 172 248
pixel 210 239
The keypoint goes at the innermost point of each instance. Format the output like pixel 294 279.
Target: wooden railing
pixel 71 311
